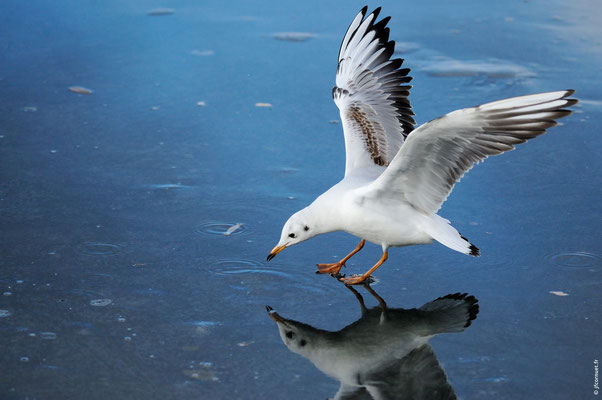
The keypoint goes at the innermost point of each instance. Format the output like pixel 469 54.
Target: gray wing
pixel 437 154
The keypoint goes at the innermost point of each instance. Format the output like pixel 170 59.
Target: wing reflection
pixel 385 354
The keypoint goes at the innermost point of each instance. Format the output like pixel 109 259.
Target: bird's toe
pixel 331 269
pixel 353 280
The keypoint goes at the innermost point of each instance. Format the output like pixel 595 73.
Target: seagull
pixel 386 353
pixel 398 176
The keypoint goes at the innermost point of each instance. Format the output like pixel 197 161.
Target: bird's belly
pixel 398 225
pixel 394 236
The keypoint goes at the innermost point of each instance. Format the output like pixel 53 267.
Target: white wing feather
pixel 371 94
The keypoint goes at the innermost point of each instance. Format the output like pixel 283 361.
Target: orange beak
pixel 275 251
pixel 275 316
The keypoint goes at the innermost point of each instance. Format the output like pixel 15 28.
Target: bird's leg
pixel 334 268
pixel 359 298
pixel 354 280
pixel 380 300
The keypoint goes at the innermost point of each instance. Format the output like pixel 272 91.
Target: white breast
pixel 388 223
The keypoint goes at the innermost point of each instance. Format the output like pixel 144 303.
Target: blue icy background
pixel 116 278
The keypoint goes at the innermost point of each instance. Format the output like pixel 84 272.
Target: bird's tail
pixel 441 230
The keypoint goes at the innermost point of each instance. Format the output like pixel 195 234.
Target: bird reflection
pixel 385 354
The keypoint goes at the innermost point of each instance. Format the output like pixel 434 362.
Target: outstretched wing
pixel 437 154
pixel 372 94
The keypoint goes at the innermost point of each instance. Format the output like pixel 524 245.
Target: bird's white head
pixel 299 227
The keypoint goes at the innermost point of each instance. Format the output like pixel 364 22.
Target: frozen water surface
pixel 115 205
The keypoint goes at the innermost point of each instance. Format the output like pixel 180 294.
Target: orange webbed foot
pixel 355 280
pixel 332 269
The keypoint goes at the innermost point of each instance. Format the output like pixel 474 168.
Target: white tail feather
pixel 441 230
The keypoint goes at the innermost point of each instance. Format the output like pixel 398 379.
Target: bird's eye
pixel 290 334
pixel 303 342
pixel 292 235
pixel 306 228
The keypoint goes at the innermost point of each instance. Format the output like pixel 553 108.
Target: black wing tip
pixel 569 92
pixel 376 11
pixel 473 310
pixel 379 26
pixel 459 296
pixel 570 102
pixel 382 23
pixel 470 300
pixel 474 250
pixel 382 30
